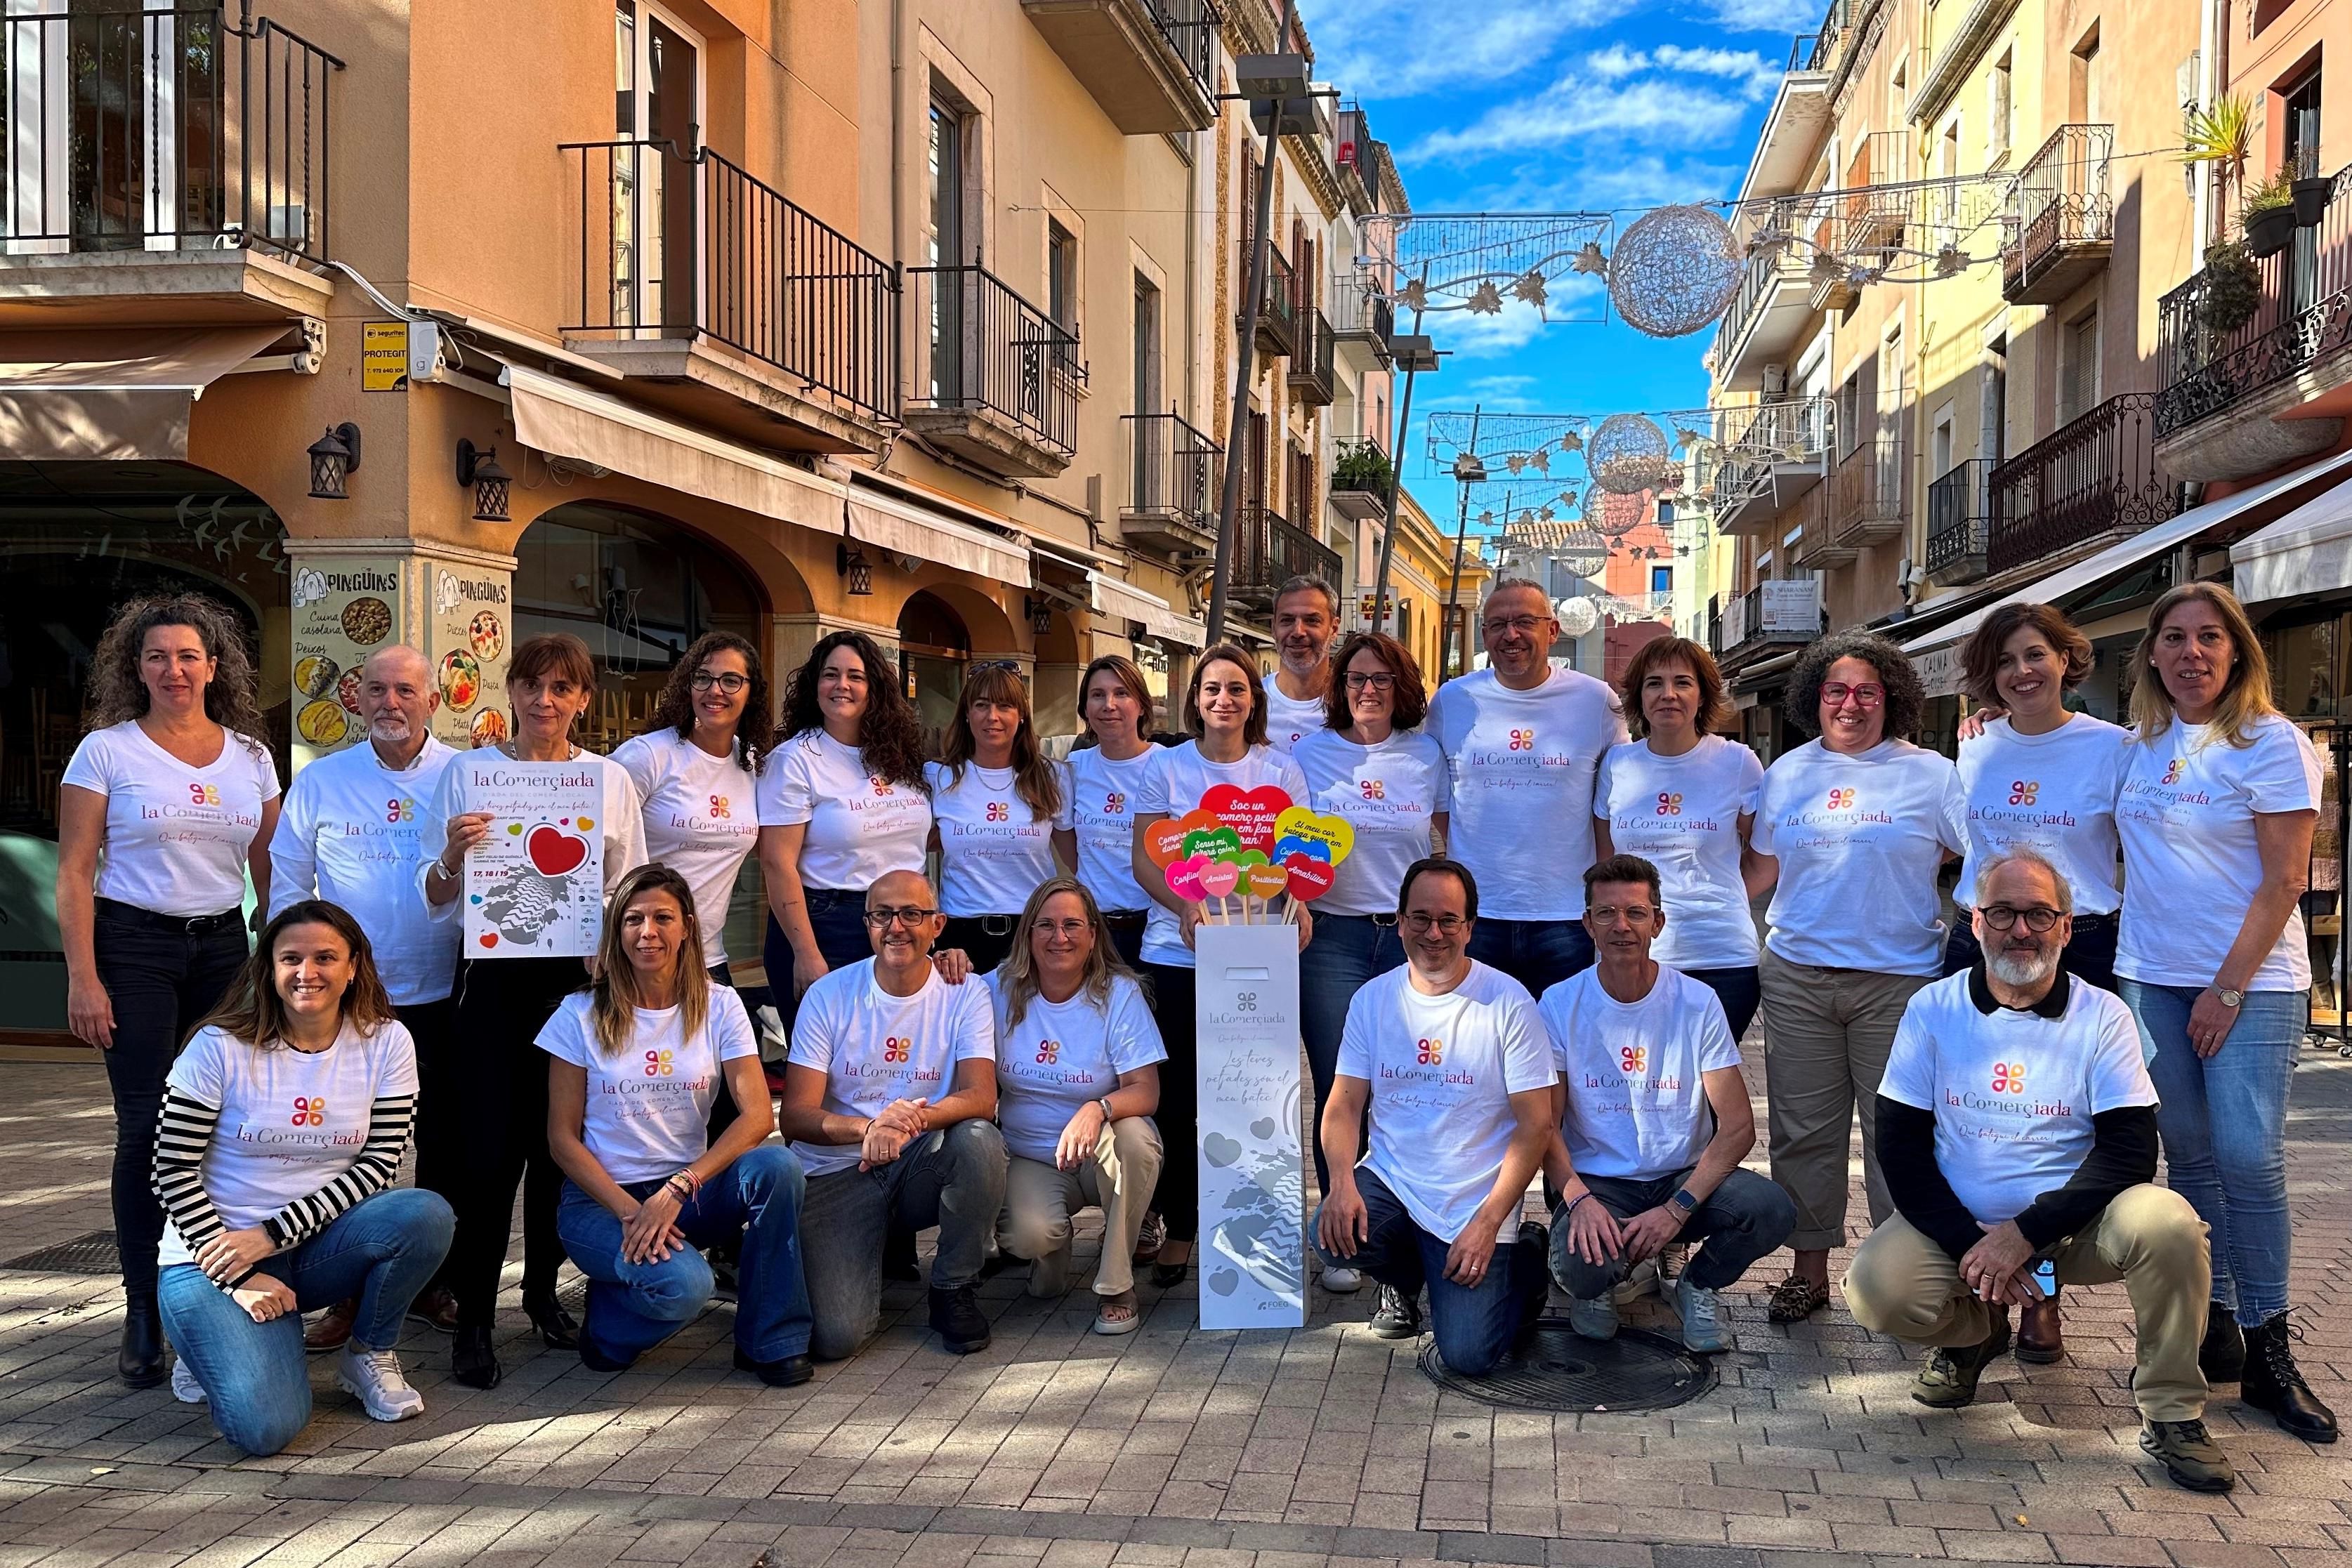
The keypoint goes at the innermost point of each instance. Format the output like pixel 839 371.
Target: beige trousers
pixel 1902 1283
pixel 1040 1199
pixel 1826 1035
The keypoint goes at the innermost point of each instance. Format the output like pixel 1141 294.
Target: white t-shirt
pixel 1860 839
pixel 1682 815
pixel 290 1120
pixel 1062 1056
pixel 1389 793
pixel 2014 1093
pixel 649 1109
pixel 701 820
pixel 994 851
pixel 874 1047
pixel 2054 794
pixel 1636 1104
pixel 624 827
pixel 860 825
pixel 2187 822
pixel 1178 776
pixel 1288 722
pixel 1522 766
pixel 176 836
pixel 1100 804
pixel 351 832
pixel 1442 1071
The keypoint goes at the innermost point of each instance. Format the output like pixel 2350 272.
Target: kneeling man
pixel 1452 1060
pixel 2016 1123
pixel 1656 1123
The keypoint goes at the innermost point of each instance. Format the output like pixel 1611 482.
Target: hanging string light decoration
pixel 1577 616
pixel 1675 269
pixel 1629 454
pixel 1480 263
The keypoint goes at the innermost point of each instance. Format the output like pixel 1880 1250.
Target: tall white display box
pixel 1253 1180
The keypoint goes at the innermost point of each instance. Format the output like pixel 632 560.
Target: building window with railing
pixel 1061 276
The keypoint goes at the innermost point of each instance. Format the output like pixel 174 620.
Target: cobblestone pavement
pixel 1170 1446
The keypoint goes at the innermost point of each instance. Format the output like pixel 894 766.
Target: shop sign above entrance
pixel 383 356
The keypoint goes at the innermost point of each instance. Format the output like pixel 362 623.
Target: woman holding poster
pixel 535 833
pixel 1224 709
pixel 994 796
pixel 1096 831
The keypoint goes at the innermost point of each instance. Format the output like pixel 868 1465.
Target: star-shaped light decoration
pixel 1769 241
pixel 1571 442
pixel 1540 459
pixel 1485 301
pixel 1589 259
pixel 1486 519
pixel 1515 462
pixel 1530 290
pixel 1686 440
pixel 1863 276
pixel 1414 295
pixel 1826 267
pixel 1950 261
pixel 1528 517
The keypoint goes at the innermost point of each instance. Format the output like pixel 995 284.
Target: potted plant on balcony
pixel 2311 193
pixel 2233 290
pixel 2221 134
pixel 1360 481
pixel 2268 215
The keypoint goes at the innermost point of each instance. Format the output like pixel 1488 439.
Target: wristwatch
pixel 1109 1116
pixel 1682 1201
pixel 2229 998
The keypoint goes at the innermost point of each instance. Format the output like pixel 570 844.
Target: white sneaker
pixel 184 1386
pixel 1342 1280
pixel 1701 1310
pixel 1594 1319
pixel 373 1376
pixel 1640 1282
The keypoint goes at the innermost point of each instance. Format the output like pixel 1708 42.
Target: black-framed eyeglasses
pixel 1378 680
pixel 910 917
pixel 2039 918
pixel 729 683
pixel 1420 925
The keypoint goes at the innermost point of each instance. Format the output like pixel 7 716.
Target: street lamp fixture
pixel 1412 351
pixel 850 562
pixel 333 457
pixel 481 471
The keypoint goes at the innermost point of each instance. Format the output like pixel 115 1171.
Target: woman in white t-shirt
pixel 503 1001
pixel 639 1058
pixel 1096 831
pixel 995 796
pixel 1683 797
pixel 283 1125
pixel 1224 709
pixel 167 805
pixel 1076 1081
pixel 1858 823
pixel 2220 800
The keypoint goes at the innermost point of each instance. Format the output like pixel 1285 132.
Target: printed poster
pixel 468 636
pixel 1254 1235
pixel 343 612
pixel 535 887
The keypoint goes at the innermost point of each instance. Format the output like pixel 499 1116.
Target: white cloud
pixel 1399 49
pixel 1616 61
pixel 1573 110
pixel 1767 16
pixel 1755 73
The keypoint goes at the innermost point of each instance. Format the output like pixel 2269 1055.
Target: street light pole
pixel 1396 477
pixel 1456 650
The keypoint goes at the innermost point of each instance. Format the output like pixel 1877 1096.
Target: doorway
pixel 657 109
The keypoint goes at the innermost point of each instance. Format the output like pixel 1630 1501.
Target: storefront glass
pixel 933 649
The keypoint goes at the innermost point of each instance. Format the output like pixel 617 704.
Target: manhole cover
pixel 93 1254
pixel 1558 1369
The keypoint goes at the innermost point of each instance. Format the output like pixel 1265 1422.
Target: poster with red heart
pixel 535 887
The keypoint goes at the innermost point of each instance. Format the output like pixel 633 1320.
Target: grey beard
pixel 2022 972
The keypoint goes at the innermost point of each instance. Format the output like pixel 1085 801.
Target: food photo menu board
pixel 344 609
pixel 469 634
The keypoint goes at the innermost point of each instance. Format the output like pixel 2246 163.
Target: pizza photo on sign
pixel 367 621
pixel 461 679
pixel 488 634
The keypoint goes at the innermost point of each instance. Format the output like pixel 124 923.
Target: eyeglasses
pixel 1634 914
pixel 1063 927
pixel 985 665
pixel 1379 681
pixel 1525 625
pixel 2038 919
pixel 731 683
pixel 1445 925
pixel 883 919
pixel 1866 694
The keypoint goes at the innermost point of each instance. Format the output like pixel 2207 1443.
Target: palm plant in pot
pixel 2268 214
pixel 2220 134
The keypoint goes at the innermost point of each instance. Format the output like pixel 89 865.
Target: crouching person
pixel 2016 1123
pixel 284 1123
pixel 1656 1122
pixel 638 1059
pixel 1452 1060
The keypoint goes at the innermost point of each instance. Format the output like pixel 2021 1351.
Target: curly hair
pixel 1906 699
pixel 1036 780
pixel 889 736
pixel 1410 697
pixel 232 699
pixel 1715 715
pixel 675 708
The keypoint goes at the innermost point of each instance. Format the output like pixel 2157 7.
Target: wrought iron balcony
pixel 1269 551
pixel 1362 320
pixel 1960 522
pixel 1311 363
pixel 1873 219
pixel 1277 305
pixel 1814 543
pixel 1150 63
pixel 2060 226
pixel 1814 53
pixel 1765 317
pixel 1175 479
pixel 2095 479
pixel 1769 455
pixel 1867 494
pixel 997 378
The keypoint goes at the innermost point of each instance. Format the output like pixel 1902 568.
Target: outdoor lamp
pixel 850 561
pixel 333 457
pixel 482 470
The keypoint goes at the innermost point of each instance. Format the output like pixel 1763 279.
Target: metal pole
pixel 1448 664
pixel 1396 476
pixel 1245 370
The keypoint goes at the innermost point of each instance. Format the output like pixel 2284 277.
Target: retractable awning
pixel 2307 551
pixel 119 394
pixel 1123 601
pixel 883 519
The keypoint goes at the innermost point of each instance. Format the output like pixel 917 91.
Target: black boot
pixel 2272 1383
pixel 472 1362
pixel 140 1359
pixel 2222 1355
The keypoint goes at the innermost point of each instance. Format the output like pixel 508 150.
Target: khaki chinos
pixel 1040 1197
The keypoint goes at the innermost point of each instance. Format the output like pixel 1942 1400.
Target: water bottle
pixel 2045 1276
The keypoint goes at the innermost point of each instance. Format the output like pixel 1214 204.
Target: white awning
pixel 880 518
pixel 2307 551
pixel 2116 559
pixel 119 394
pixel 1121 601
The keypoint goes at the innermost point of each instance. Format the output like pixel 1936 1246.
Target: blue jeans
pixel 382 1250
pixel 1474 1324
pixel 1347 950
pixel 837 918
pixel 1739 990
pixel 1538 954
pixel 2237 1182
pixel 1745 1217
pixel 633 1307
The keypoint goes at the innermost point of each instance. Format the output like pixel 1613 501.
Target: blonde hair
pixel 2245 691
pixel 615 995
pixel 1017 975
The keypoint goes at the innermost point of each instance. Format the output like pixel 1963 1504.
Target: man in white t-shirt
pixel 2017 1125
pixel 1305 619
pixel 1656 1120
pixel 889 1099
pixel 1523 744
pixel 1452 1061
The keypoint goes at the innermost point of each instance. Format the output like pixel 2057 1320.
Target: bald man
pixel 890 1100
pixel 349 833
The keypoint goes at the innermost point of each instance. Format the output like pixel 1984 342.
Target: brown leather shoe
pixel 2040 1338
pixel 333 1327
pixel 436 1308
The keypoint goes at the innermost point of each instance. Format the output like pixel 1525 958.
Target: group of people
pixel 1537 961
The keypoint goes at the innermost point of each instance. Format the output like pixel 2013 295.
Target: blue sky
pixel 1558 106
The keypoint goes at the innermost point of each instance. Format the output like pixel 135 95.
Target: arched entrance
pixel 933 649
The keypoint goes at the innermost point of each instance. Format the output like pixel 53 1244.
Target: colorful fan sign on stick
pixel 1252 843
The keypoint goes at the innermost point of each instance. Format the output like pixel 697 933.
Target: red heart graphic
pixel 489 938
pixel 1310 878
pixel 1249 812
pixel 553 851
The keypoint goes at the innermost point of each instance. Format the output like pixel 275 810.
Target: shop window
pixel 933 649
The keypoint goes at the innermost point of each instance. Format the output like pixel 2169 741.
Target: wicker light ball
pixel 1629 454
pixel 1674 270
pixel 1577 616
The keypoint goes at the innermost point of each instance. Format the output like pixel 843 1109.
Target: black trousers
pixel 986 939
pixel 441 1086
pixel 162 978
pixel 501 1122
pixel 1178 1116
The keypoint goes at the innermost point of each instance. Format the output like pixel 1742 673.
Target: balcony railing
pixel 2303 311
pixel 990 350
pixel 2096 477
pixel 172 128
pixel 1866 494
pixel 1754 440
pixel 1177 471
pixel 1740 632
pixel 1359 488
pixel 1959 521
pixel 1769 271
pixel 1361 314
pixel 1311 362
pixel 1269 551
pixel 1190 28
pixel 2060 226
pixel 1277 305
pixel 674 245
